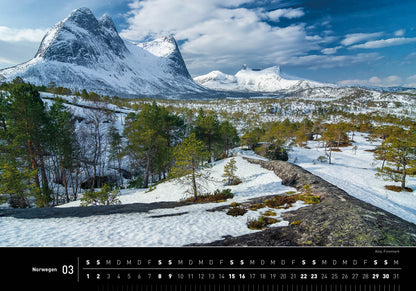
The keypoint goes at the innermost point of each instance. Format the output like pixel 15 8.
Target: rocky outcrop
pixel 338 220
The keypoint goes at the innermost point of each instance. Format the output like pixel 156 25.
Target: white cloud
pixel 8 34
pixel 290 13
pixel 359 37
pixel 221 32
pixel 384 43
pixel 390 81
pixel 399 32
pixel 374 80
pixel 332 61
pixel 162 17
pixel 411 81
pixel 331 50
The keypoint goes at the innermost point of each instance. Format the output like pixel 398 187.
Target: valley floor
pixel 352 171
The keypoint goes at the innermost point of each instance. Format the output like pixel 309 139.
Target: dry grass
pixel 287 200
pixel 261 222
pixel 217 196
pixel 398 188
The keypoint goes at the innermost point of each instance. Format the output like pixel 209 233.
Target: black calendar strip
pixel 218 269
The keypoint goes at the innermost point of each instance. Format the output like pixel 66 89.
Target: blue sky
pixel 339 41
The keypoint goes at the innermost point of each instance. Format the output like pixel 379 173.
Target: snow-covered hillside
pixel 269 80
pixel 82 52
pixel 160 227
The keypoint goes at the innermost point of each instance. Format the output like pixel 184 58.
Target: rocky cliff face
pixel 338 220
pixel 83 52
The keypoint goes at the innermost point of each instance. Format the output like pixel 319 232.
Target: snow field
pixel 185 225
pixel 355 173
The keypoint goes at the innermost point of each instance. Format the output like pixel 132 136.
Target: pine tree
pixel 252 138
pixel 116 147
pixel 28 124
pixel 15 182
pixel 62 140
pixel 229 136
pixel 329 136
pixel 207 130
pixel 150 134
pixel 190 157
pixel 230 177
pixel 399 152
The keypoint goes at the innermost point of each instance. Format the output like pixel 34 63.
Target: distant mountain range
pixel 269 80
pixel 82 52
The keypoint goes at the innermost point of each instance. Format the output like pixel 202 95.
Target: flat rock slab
pixel 58 212
pixel 338 220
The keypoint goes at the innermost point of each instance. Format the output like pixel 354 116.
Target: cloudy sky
pixel 348 42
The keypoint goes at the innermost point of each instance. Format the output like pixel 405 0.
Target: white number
pixel 68 270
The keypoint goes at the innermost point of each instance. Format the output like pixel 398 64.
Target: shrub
pixel 310 199
pixel 136 183
pixel 272 151
pixel 256 206
pixel 261 222
pixel 217 196
pixel 223 194
pixel 269 213
pixel 397 188
pixel 235 204
pixel 106 196
pixel 322 159
pixel 281 200
pixel 236 211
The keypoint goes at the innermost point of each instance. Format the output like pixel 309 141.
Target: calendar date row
pixel 241 276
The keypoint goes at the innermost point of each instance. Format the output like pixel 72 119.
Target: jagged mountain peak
pixel 83 52
pixel 107 22
pixel 83 40
pixel 167 47
pixel 161 47
pixel 81 16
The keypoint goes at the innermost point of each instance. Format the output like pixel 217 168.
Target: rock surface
pixel 338 220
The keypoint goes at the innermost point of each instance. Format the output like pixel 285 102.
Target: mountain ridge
pixel 269 80
pixel 83 52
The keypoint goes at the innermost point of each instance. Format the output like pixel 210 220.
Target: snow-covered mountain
pixel 83 52
pixel 248 80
